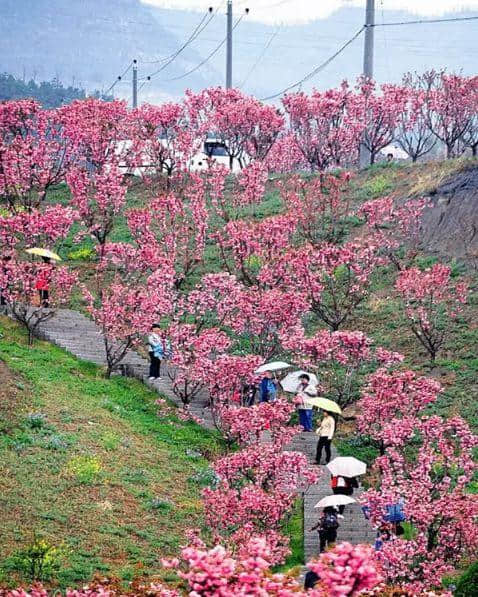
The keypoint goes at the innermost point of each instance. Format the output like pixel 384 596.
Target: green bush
pixel 84 468
pixel 361 447
pixel 82 254
pixel 467 585
pixel 38 561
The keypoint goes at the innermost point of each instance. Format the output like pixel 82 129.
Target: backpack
pixel 330 522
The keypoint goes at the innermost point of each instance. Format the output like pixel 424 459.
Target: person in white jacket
pixel 305 390
pixel 325 433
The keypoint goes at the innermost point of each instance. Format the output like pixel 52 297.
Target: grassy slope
pixel 109 523
pixel 379 317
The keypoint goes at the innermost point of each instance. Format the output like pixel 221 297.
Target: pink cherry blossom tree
pixel 285 156
pixel 319 206
pixel 378 113
pixel 18 281
pixel 338 359
pixel 393 395
pixel 162 141
pixel 34 154
pixel 335 279
pixel 229 196
pixel 323 126
pixel 431 301
pixel 97 132
pixel 395 228
pixel 428 464
pixel 125 312
pixel 248 247
pixel 244 126
pixel 450 107
pixel 99 198
pixel 175 223
pixel 258 486
pixel 470 137
pixel 413 131
pixel 347 570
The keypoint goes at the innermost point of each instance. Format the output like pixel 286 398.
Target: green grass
pixel 294 529
pixel 89 465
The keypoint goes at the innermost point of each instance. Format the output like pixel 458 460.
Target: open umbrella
pixel 347 466
pixel 43 253
pixel 291 380
pixel 334 500
pixel 275 366
pixel 328 405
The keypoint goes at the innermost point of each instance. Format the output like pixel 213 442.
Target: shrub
pixel 36 420
pixel 467 585
pixel 84 468
pixel 82 254
pixel 56 442
pixel 205 478
pixel 161 504
pixel 38 561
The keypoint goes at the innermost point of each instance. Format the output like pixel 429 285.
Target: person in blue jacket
pixel 268 389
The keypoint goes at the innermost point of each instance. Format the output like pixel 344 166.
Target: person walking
pixel 156 352
pixel 268 389
pixel 305 390
pixel 42 284
pixel 327 527
pixel 249 392
pixel 343 486
pixel 325 433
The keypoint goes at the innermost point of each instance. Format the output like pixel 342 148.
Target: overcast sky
pixel 300 11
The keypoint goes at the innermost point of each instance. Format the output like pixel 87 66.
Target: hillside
pixel 89 466
pixel 380 316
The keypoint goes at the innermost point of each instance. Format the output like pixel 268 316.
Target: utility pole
pixel 135 83
pixel 369 35
pixel 229 46
pixel 364 158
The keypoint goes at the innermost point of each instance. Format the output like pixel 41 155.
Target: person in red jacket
pixel 43 284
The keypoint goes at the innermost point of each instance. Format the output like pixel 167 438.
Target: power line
pixel 261 56
pixel 191 38
pixel 213 53
pixel 197 31
pixel 119 77
pixel 425 21
pixel 318 68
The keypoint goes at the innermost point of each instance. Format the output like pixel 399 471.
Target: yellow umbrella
pixel 328 405
pixel 44 253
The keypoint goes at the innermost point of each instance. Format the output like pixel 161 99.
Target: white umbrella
pixel 334 500
pixel 347 466
pixel 291 380
pixel 275 366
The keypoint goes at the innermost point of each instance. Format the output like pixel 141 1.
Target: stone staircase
pixel 79 335
pixel 353 528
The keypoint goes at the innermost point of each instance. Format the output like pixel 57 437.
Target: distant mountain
pixel 89 43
